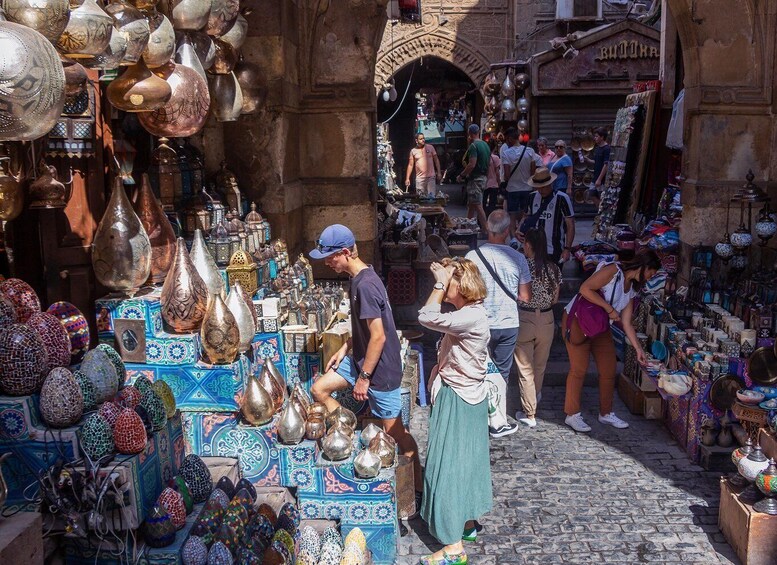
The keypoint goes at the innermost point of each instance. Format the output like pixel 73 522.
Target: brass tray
pixel 723 392
pixel 762 366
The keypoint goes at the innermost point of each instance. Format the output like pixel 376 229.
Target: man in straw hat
pixel 552 211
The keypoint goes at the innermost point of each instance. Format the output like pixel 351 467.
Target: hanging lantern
pixel 218 244
pixel 161 42
pixel 523 105
pixel 508 86
pixel 47 17
pixel 236 35
pixel 165 174
pixel 249 77
pixel 741 239
pixel 226 97
pixel 226 185
pixel 186 54
pixel 739 262
pixel 186 111
pixel 242 269
pixel 138 90
pixel 724 249
pixel 766 227
pixel 491 125
pixel 508 107
pixel 133 26
pixel 87 33
pixel 203 46
pixel 523 125
pixel 491 86
pixel 255 229
pixel 521 81
pixel 111 58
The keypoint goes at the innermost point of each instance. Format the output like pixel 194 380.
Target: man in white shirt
pixel 511 268
pixel 518 189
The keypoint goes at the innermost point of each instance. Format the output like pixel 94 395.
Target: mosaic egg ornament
pixel 220 497
pixel 128 397
pixel 172 501
pixel 110 411
pixel 352 555
pixel 357 538
pixel 286 524
pixel 22 297
pixel 310 542
pixel 305 558
pixel 290 510
pixel 87 391
pixel 331 554
pixel 155 409
pixel 219 555
pixel 227 536
pixel 260 530
pixel 286 557
pixel 23 360
pixel 116 360
pixel 285 538
pixel 140 411
pixel 242 499
pixel 163 391
pixel 194 551
pixel 227 486
pixel 61 401
pixel 100 369
pixel 76 326
pixel 246 556
pixel 96 437
pixel 208 522
pixel 267 511
pixel 331 536
pixel 158 528
pixel 197 477
pixel 142 384
pixel 179 484
pixel 54 337
pixel 129 434
pixel 237 520
pixel 7 313
pixel 249 486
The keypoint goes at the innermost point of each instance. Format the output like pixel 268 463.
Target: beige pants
pixel 531 355
pixel 427 185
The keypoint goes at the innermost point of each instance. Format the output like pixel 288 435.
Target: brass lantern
pixel 215 207
pixel 226 185
pixel 242 269
pixel 165 174
pixel 196 216
pixel 255 229
pixel 236 231
pixel 218 244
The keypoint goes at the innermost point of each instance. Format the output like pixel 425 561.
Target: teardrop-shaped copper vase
pixel 271 386
pixel 291 425
pixel 276 374
pixel 187 110
pixel 257 406
pixel 184 294
pixel 219 335
pixel 138 90
pixel 159 230
pixel 242 313
pixel 121 250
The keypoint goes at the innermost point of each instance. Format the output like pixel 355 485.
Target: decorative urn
pixel 219 334
pixel 337 446
pixel 749 467
pixel 257 405
pixel 291 425
pixel 184 294
pixel 367 464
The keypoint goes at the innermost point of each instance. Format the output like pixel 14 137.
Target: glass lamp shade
pixel 741 239
pixel 739 262
pixel 724 249
pixel 508 86
pixel 139 90
pixel 523 105
pixel 766 227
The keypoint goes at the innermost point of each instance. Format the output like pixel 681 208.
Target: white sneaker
pixel 576 422
pixel 613 420
pixel 531 422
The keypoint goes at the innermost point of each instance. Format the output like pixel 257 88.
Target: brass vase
pixel 226 97
pixel 186 14
pixel 186 111
pixel 242 313
pixel 160 47
pixel 225 60
pixel 385 448
pixel 133 26
pixel 223 14
pixel 186 54
pixel 256 406
pixel 337 446
pixel 11 194
pixel 87 33
pixel 315 427
pixel 112 56
pixel 138 90
pixel 271 386
pixel 250 78
pixel 219 335
pixel 32 83
pixel 121 250
pixel 46 191
pixel 291 425
pixel 205 265
pixel 276 374
pixel 184 294
pixel 159 230
pixel 47 17
pixel 237 33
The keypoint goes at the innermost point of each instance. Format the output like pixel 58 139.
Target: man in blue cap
pixel 374 367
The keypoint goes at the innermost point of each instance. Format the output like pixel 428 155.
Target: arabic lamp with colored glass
pixel 766 481
pixel 749 467
pixel 219 334
pixel 765 227
pixel 738 454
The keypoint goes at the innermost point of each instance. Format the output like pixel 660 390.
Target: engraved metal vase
pixel 368 433
pixel 47 17
pixel 315 427
pixel 271 386
pixel 219 334
pixel 121 250
pixel 87 33
pixel 46 191
pixel 186 14
pixel 205 265
pixel 291 425
pixel 133 26
pixel 223 14
pixel 341 428
pixel 112 56
pixel 186 111
pixel 337 446
pixel 186 54
pixel 243 317
pixel 256 406
pixel 237 33
pixel 160 47
pixel 203 46
pixel 343 415
pixel 249 77
pixel 11 195
pixel 184 294
pixel 367 465
pixel 159 230
pixel 225 59
pixel 276 374
pixel 226 97
pixel 32 83
pixel 383 448
pixel 138 90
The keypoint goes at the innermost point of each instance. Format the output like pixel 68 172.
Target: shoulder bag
pixel 592 319
pixel 503 184
pixel 493 274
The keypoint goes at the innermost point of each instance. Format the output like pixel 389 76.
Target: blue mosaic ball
pixel 219 497
pixel 219 555
pixel 194 551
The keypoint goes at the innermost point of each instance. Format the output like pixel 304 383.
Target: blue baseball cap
pixel 334 238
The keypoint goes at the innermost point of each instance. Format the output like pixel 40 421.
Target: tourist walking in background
pixel 493 179
pixel 606 297
pixel 476 162
pixel 508 279
pixel 552 212
pixel 600 161
pixel 544 151
pixel 457 480
pixel 561 166
pixel 519 162
pixel 427 167
pixel 537 325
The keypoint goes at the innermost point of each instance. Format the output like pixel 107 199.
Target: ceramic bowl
pixel 751 397
pixel 769 392
pixel 769 404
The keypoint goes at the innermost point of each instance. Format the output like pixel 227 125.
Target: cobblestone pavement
pixel 611 496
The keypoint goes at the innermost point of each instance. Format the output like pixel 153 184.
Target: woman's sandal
pixel 447 559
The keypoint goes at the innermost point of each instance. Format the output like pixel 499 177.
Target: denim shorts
pixel 385 404
pixel 519 201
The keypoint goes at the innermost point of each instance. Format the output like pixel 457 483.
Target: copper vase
pixel 11 195
pixel 236 34
pixel 121 250
pixel 138 90
pixel 87 33
pixel 133 26
pixel 219 335
pixel 291 425
pixel 226 97
pixel 243 317
pixel 226 58
pixel 256 406
pixel 222 15
pixel 186 111
pixel 271 386
pixel 276 374
pixel 315 427
pixel 47 17
pixel 184 294
pixel 159 230
pixel 160 47
pixel 205 265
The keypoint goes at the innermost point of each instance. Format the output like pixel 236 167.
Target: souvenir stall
pixel 194 367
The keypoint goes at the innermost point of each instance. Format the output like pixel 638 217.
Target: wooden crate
pixel 632 397
pixel 750 533
pixel 652 405
pixel 768 441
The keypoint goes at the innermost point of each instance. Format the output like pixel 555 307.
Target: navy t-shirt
pixel 369 300
pixel 601 156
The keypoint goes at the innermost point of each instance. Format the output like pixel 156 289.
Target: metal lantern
pixel 521 81
pixel 254 229
pixel 765 227
pixel 523 125
pixel 242 269
pixel 523 105
pixel 508 86
pixel 491 86
pixel 508 106
pixel 165 173
pixel 218 244
pixel 724 249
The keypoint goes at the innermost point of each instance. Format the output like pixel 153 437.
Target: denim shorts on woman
pixel 385 404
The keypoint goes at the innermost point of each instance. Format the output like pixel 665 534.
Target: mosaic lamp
pixel 766 481
pixel 765 227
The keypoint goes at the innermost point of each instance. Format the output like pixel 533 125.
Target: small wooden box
pixel 750 533
pixel 644 382
pixel 768 441
pixel 652 406
pixel 632 397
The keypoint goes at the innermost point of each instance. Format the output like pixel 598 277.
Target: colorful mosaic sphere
pixel 142 384
pixel 237 518
pixel 246 556
pixel 22 296
pixel 286 557
pixel 260 530
pixel 76 326
pixel 310 543
pixel 128 397
pixel 290 510
pixel 155 409
pixel 87 391
pixel 129 434
pixel 179 485
pixel 96 437
pixel 357 538
pixel 61 402
pixel 249 486
pixel 331 553
pixel 158 528
pixel 220 497
pixel 54 337
pixel 116 360
pixel 219 555
pixel 197 477
pixel 163 391
pixel 7 313
pixel 331 536
pixel 23 360
pixel 110 411
pixel 267 511
pixel 100 369
pixel 146 419
pixel 227 486
pixel 172 501
pixel 194 551
pixel 284 537
pixel 227 535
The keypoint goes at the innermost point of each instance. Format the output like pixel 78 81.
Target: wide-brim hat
pixel 542 177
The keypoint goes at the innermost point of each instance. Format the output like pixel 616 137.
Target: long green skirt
pixel 457 478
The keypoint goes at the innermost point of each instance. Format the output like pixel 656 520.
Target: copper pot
pixel 161 42
pixel 226 97
pixel 133 25
pixel 159 230
pixel 87 33
pixel 47 17
pixel 46 191
pixel 186 111
pixel 184 294
pixel 222 15
pixel 138 90
pixel 225 60
pixel 236 34
pixel 186 14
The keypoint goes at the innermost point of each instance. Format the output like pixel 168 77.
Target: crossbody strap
pixel 496 277
pixel 614 286
pixel 518 163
